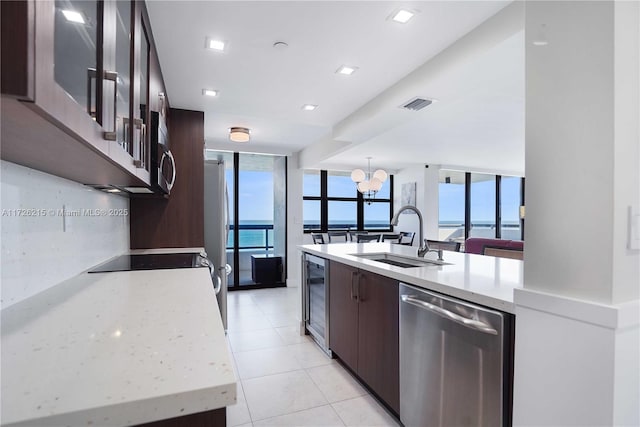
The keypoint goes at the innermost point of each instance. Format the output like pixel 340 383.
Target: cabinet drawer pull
pixel 354 295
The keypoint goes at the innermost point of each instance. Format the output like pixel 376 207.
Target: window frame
pixel 358 199
pixel 498 206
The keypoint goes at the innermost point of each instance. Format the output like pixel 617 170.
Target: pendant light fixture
pixel 367 183
pixel 239 134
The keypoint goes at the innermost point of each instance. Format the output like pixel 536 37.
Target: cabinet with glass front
pixel 84 91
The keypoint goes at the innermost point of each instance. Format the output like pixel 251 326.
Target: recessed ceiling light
pixel 347 70
pixel 214 44
pixel 402 16
pixel 113 190
pixel 209 92
pixel 73 16
pixel 309 107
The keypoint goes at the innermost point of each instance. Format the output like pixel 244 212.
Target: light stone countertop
pixel 480 279
pixel 195 250
pixel 116 348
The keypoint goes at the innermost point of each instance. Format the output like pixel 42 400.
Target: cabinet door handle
pixel 140 153
pixel 354 295
pixel 113 77
pixel 143 146
pixel 91 75
pixel 125 127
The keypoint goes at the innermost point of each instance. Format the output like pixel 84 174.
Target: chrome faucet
pixel 424 246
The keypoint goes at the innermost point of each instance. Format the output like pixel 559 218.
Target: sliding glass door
pixel 256 248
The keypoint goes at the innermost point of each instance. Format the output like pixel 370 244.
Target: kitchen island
pixel 120 348
pixel 480 279
pixel 408 326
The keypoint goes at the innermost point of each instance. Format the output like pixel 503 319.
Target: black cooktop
pixel 150 262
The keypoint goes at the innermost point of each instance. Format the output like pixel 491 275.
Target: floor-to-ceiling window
pixel 332 202
pixel 451 205
pixel 342 201
pixel 256 248
pixel 379 210
pixel 311 204
pixel 510 202
pixel 480 205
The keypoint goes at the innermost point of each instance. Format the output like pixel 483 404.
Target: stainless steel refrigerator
pixel 216 226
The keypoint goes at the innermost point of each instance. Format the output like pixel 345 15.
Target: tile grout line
pixel 316 384
pixel 243 393
pixel 338 414
pixel 327 403
pixel 366 392
pixel 302 410
pixel 304 369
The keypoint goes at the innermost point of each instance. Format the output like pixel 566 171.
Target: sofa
pixel 476 245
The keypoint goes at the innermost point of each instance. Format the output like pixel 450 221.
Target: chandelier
pixel 367 183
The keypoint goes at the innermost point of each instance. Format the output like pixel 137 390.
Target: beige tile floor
pixel 284 378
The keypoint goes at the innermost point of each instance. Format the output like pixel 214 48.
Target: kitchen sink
pixel 401 261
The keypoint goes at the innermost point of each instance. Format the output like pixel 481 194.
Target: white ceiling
pixel 478 121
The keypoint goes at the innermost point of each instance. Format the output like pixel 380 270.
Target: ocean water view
pixel 253 234
pixel 259 233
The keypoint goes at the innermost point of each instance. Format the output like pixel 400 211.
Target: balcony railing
pixel 252 236
pixel 455 231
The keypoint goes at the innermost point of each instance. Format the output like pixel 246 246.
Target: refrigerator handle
pixel 218 285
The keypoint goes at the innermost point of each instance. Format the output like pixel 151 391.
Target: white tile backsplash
pixel 41 247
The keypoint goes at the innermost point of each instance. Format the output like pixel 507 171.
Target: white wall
pixel 577 352
pixel 626 157
pixel 279 208
pixel 426 180
pixel 295 233
pixel 431 205
pixel 409 221
pixel 581 154
pixel 576 363
pixel 41 251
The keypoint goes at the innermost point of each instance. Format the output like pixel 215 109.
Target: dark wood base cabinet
pixel 214 418
pixel 363 309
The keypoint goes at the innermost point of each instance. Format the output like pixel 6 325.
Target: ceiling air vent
pixel 417 103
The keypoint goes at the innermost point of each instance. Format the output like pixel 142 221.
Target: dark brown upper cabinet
pixel 75 89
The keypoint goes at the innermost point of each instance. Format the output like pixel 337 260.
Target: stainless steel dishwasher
pixel 455 363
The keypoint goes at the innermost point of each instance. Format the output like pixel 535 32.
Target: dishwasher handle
pixel 469 323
